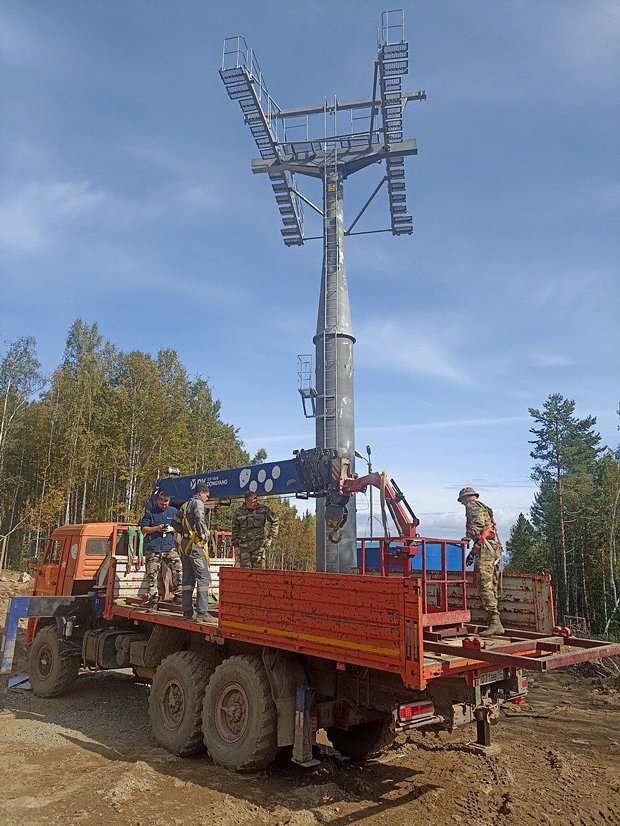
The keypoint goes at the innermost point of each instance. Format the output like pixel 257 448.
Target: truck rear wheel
pixel 363 741
pixel 175 702
pixel 239 718
pixel 52 672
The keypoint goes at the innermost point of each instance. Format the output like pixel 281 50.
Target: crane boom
pixel 309 473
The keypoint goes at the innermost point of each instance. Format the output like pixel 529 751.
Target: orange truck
pixel 362 655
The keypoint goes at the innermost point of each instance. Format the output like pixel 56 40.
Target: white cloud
pixel 455 424
pixel 33 215
pixel 451 524
pixel 589 34
pixel 36 215
pixel 18 46
pixel 552 360
pixel 414 346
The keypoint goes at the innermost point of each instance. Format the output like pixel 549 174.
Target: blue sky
pixel 127 199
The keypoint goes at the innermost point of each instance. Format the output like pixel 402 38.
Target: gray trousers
pixel 195 573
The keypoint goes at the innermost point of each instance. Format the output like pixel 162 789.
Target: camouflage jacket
pixel 479 518
pixel 248 527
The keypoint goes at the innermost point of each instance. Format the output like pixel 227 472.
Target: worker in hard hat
pixel 486 553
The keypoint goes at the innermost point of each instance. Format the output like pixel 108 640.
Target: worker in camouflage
pixel 156 526
pixel 486 553
pixel 248 532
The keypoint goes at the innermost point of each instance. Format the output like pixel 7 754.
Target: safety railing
pixel 237 55
pixel 392 29
pixel 439 563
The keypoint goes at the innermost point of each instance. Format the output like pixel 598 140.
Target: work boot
pixel 205 618
pixel 152 605
pixel 495 629
pixel 177 600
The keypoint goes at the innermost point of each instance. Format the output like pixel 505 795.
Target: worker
pixel 486 555
pixel 248 532
pixel 194 536
pixel 159 546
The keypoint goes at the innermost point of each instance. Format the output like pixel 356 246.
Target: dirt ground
pixel 88 758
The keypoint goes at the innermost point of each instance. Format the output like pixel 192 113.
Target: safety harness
pixel 490 533
pixel 189 536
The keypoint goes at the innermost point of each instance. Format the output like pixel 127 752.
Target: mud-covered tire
pixel 239 719
pixel 364 741
pixel 52 667
pixel 175 702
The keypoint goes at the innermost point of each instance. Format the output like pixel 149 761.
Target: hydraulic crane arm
pixel 309 473
pixel 405 519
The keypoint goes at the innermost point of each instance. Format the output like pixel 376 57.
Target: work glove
pixel 471 557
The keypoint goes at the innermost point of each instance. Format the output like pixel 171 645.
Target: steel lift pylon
pixel 291 145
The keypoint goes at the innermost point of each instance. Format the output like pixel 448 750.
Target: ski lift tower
pixel 330 141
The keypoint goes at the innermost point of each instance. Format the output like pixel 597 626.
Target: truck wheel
pixel 239 716
pixel 51 672
pixel 175 702
pixel 363 741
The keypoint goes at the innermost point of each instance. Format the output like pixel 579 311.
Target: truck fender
pixel 285 674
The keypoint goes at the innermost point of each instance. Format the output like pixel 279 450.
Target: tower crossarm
pixel 311 163
pixel 343 106
pixel 245 83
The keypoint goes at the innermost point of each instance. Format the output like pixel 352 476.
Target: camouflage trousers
pixel 487 571
pixel 152 564
pixel 251 556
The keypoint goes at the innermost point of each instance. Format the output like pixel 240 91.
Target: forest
pixel 573 528
pixel 88 443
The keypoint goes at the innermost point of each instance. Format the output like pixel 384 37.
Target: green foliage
pixel 108 424
pixel 526 554
pixel 574 516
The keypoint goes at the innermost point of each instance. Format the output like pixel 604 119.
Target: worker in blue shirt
pixel 159 545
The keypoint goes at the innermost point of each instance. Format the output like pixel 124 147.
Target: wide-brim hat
pixel 467 492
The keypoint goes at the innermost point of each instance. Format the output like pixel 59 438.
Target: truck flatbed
pixel 369 622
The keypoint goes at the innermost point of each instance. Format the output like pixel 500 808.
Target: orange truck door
pixel 51 573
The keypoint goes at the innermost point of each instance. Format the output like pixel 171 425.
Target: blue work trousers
pixel 195 573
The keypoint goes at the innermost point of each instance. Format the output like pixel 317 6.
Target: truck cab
pixel 72 557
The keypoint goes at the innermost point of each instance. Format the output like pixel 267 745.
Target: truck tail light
pixel 412 712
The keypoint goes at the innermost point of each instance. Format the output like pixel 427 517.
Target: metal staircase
pixel 244 83
pixel 393 65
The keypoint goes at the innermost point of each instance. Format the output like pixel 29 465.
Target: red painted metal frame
pixel 358 620
pixel 365 621
pixel 395 555
pixel 536 653
pixel 359 484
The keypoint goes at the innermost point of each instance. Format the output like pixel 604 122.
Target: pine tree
pixel 526 555
pixel 565 450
